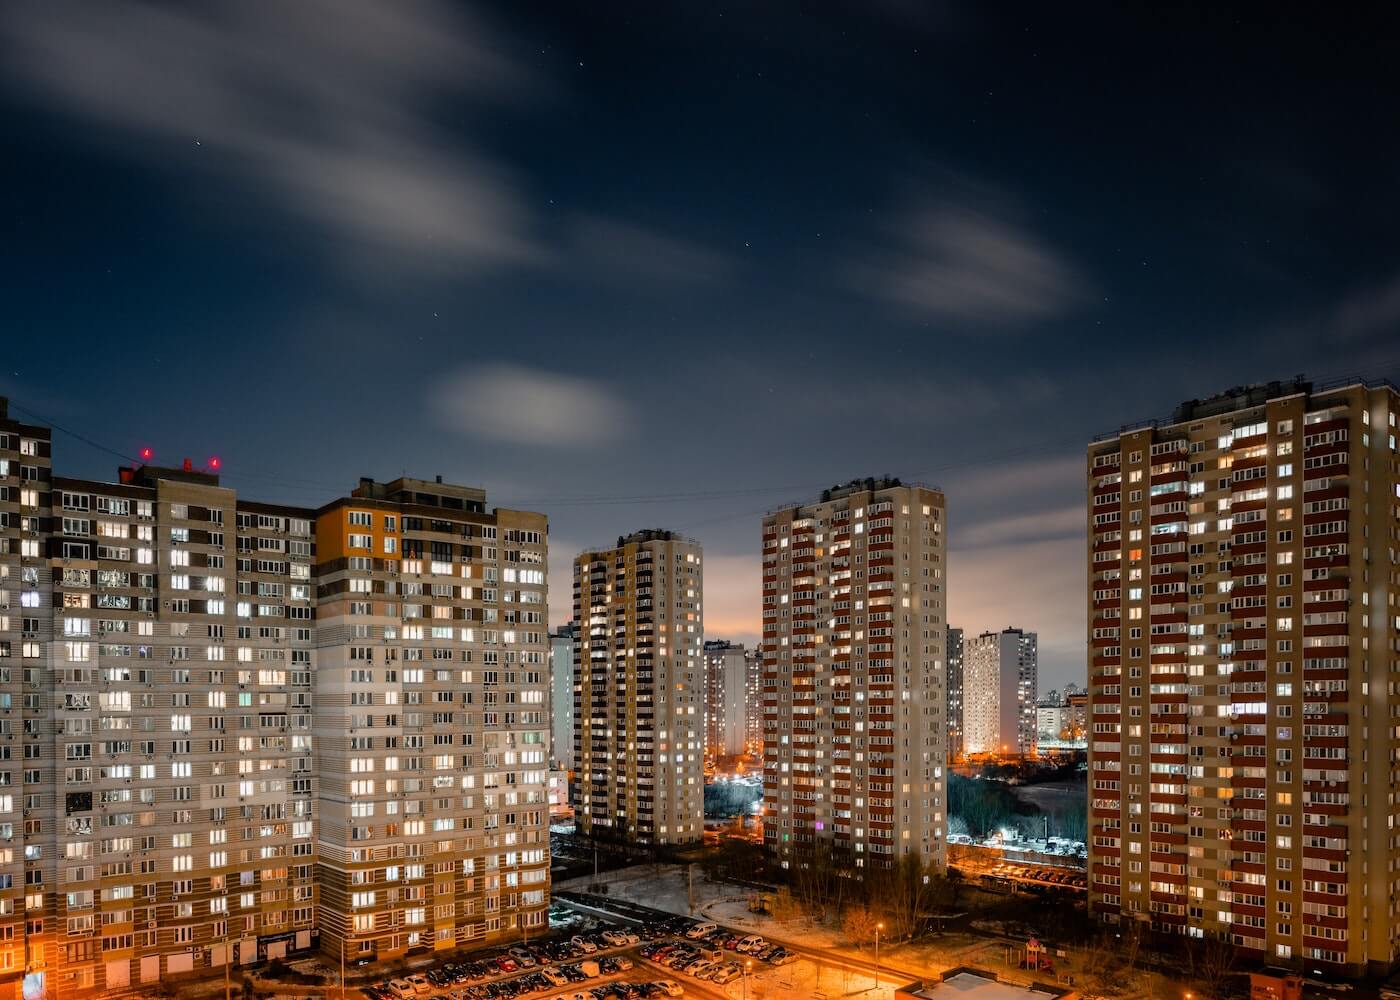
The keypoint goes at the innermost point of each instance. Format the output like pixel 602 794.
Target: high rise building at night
pixel 1243 641
pixel 854 641
pixel 639 690
pixel 229 717
pixel 431 723
pixel 999 692
pixel 561 672
pixel 726 718
pixel 954 688
pixel 753 702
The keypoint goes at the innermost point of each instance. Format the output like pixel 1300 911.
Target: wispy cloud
pixel 1033 585
pixel 1063 522
pixel 326 106
pixel 985 485
pixel 528 406
pixel 1368 312
pixel 963 257
pixel 636 256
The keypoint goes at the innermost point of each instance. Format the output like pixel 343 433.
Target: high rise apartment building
pixel 194 686
pixel 999 692
pixel 431 722
pixel 726 719
pixel 639 690
pixel 753 702
pixel 854 641
pixel 561 703
pixel 1243 634
pixel 954 688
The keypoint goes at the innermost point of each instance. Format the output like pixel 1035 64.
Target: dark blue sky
pixel 673 264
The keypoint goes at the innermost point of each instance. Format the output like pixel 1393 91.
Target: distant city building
pixel 954 687
pixel 1243 655
pixel 1076 718
pixel 561 688
pixel 753 702
pixel 999 692
pixel 726 678
pixel 1049 721
pixel 1062 715
pixel 853 642
pixel 639 683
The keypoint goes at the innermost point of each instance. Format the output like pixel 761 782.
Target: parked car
pixel 420 984
pixel 588 946
pixel 750 943
pixel 671 988
pixel 700 930
pixel 727 974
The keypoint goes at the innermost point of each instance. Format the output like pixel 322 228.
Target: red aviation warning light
pixel 214 464
pixel 146 454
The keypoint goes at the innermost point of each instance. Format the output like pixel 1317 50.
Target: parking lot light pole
pixel 748 964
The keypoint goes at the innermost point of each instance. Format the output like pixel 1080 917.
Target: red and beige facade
pixel 639 690
pixel 1243 662
pixel 170 739
pixel 854 641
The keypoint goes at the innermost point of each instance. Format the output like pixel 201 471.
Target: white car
pixel 581 942
pixel 421 984
pixel 751 943
pixel 700 930
pixel 671 988
pixel 403 988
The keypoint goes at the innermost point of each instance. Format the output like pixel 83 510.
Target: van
pixel 700 930
pixel 751 943
pixel 589 968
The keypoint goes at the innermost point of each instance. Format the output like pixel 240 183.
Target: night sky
pixel 672 265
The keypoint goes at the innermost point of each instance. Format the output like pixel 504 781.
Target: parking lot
pixel 669 957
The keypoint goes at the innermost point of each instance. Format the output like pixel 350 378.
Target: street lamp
pixel 878 929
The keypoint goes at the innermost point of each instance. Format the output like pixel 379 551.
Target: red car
pixel 505 963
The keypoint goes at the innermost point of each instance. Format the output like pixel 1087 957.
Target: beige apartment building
pixel 432 722
pixel 179 741
pixel 1243 664
pixel 854 641
pixel 639 690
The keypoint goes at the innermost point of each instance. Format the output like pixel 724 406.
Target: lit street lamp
pixel 878 929
pixel 748 964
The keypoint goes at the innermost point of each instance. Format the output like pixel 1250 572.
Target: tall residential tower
pixel 854 591
pixel 639 690
pixel 999 692
pixel 1243 634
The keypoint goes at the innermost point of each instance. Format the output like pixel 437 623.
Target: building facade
pixel 198 675
pixel 432 728
pixel 726 707
pixel 855 740
pixel 753 702
pixel 999 685
pixel 954 672
pixel 639 690
pixel 160 633
pixel 561 705
pixel 1243 653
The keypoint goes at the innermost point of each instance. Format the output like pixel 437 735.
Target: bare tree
pixel 859 924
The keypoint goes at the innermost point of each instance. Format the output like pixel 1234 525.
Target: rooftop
pixel 973 984
pixel 1244 397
